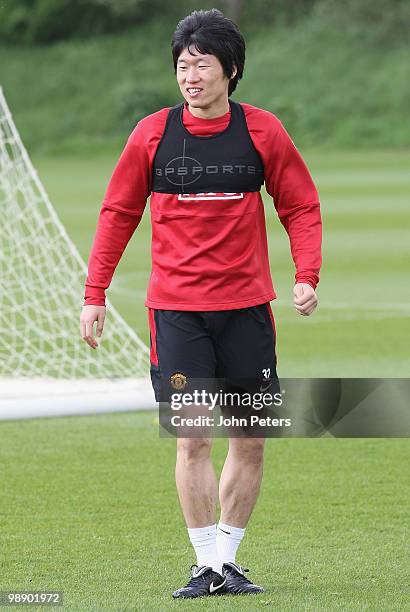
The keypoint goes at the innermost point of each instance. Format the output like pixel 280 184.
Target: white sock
pixel 228 539
pixel 203 539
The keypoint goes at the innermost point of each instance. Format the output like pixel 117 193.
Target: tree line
pixel 49 21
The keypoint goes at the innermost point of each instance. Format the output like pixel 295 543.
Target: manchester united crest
pixel 178 381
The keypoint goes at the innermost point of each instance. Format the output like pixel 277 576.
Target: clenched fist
pixel 305 298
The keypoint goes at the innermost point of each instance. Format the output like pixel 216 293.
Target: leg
pixel 182 351
pixel 240 480
pixel 180 344
pixel 197 491
pixel 196 481
pixel 238 492
pixel 246 354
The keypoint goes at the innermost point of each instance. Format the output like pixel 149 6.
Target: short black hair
pixel 212 33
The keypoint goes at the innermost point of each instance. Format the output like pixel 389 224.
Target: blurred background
pixel 79 74
pixel 82 72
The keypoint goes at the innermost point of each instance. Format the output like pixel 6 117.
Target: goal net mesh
pixel 42 285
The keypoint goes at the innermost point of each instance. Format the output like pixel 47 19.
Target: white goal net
pixel 45 365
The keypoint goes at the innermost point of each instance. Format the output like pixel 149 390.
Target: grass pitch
pixel 89 507
pixel 88 504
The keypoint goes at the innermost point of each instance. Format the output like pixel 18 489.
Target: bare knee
pixel 248 450
pixel 193 450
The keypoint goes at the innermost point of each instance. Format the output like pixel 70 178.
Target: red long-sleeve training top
pixel 209 251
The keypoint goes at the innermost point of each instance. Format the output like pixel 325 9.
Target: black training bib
pixel 226 162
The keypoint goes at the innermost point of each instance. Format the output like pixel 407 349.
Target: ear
pixel 234 71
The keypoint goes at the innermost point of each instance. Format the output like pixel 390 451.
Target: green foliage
pixel 133 101
pixel 42 21
pixel 385 21
pixel 47 21
pixel 261 12
pixel 330 86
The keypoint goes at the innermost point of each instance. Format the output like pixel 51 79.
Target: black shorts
pixel 237 346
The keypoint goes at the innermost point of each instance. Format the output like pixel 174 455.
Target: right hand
pixel 89 315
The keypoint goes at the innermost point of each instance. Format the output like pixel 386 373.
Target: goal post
pixel 46 368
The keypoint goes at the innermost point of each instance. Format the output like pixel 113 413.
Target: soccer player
pixel 204 162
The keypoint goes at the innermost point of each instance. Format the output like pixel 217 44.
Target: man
pixel 204 162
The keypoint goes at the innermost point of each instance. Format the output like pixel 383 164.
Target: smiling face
pixel 203 83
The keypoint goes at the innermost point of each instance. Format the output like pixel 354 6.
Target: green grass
pixel 362 324
pixel 89 507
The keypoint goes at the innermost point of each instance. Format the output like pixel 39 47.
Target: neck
pixel 217 109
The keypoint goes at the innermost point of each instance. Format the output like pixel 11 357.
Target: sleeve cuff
pixel 94 296
pixel 308 280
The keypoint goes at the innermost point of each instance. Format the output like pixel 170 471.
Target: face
pixel 201 80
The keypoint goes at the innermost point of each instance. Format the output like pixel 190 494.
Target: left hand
pixel 305 299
